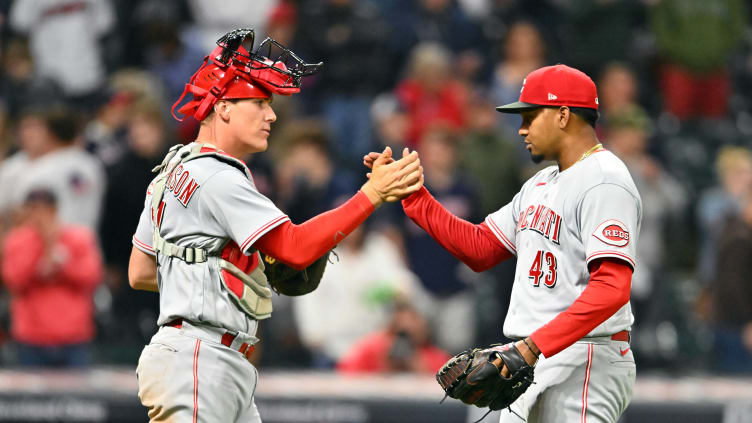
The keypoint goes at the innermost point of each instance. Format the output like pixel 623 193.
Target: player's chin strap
pixel 252 294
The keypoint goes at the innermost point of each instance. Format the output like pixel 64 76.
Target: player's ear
pixel 222 109
pixel 563 115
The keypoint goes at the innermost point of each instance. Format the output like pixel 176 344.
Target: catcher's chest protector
pixel 243 277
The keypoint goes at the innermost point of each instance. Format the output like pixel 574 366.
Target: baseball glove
pixel 473 378
pixel 292 282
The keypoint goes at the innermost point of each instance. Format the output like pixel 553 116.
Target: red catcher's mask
pixel 231 72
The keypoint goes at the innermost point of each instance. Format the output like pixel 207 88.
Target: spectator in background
pixel 617 91
pixel 731 293
pixel 487 155
pixel 430 94
pixel 403 346
pixel 663 199
pixel 104 134
pixel 20 87
pixel 350 36
pixel 61 165
pixel 283 22
pixel 720 203
pixel 365 279
pixel 599 31
pixel 211 22
pixel 31 137
pixel 446 280
pixel 523 52
pixel 6 140
pixel 390 121
pixel 696 39
pixel 165 53
pixel 64 36
pixel 135 311
pixel 51 270
pixel 307 181
pixel 435 22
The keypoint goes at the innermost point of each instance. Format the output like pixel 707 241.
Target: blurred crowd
pixel 85 98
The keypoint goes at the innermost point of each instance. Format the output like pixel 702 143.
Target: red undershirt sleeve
pixel 300 245
pixel 474 245
pixel 607 291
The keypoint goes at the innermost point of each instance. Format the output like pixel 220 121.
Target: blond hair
pixel 731 158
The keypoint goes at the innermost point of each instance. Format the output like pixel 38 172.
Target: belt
pixel 226 340
pixel 624 336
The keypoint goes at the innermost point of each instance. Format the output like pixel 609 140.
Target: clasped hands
pixel 392 180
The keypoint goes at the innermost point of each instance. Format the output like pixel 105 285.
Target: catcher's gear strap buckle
pixel 187 254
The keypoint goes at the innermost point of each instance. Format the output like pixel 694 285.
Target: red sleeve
pixel 607 291
pixel 474 245
pixel 22 250
pixel 84 267
pixel 301 245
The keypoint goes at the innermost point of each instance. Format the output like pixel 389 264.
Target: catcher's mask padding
pixel 230 71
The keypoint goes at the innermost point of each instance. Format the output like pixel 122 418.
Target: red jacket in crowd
pixel 371 355
pixel 56 309
pixel 424 108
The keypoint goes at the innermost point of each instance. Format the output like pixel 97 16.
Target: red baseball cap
pixel 557 85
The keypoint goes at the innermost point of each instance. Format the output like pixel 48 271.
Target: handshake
pixel 392 180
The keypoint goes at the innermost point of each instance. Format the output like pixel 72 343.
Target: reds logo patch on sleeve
pixel 612 232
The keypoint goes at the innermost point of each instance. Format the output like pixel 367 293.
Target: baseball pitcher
pixel 572 228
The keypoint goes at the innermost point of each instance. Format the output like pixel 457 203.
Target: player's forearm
pixel 474 245
pixel 142 271
pixel 300 245
pixel 607 291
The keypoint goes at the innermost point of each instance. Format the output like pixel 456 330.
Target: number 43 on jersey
pixel 543 268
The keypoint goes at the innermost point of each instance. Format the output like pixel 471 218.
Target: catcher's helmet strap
pixel 186 90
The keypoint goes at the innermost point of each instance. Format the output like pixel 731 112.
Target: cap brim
pixel 517 107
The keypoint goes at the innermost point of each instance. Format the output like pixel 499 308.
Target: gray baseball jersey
pixel 206 204
pixel 556 225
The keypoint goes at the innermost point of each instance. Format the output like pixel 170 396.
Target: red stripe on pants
pixel 587 381
pixel 195 381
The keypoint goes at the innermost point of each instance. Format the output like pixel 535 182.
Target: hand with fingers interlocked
pixel 392 180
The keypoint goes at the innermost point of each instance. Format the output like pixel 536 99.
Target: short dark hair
pixel 63 123
pixel 587 114
pixel 41 196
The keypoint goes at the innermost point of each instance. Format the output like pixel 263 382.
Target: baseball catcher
pixel 493 377
pixel 205 224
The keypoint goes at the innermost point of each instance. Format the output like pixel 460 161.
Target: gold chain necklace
pixel 591 151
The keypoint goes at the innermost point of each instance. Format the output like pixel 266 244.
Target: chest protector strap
pixel 250 288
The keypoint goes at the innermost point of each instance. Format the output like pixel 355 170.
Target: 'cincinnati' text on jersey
pixel 541 219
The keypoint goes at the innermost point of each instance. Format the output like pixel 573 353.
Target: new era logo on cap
pixel 573 88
